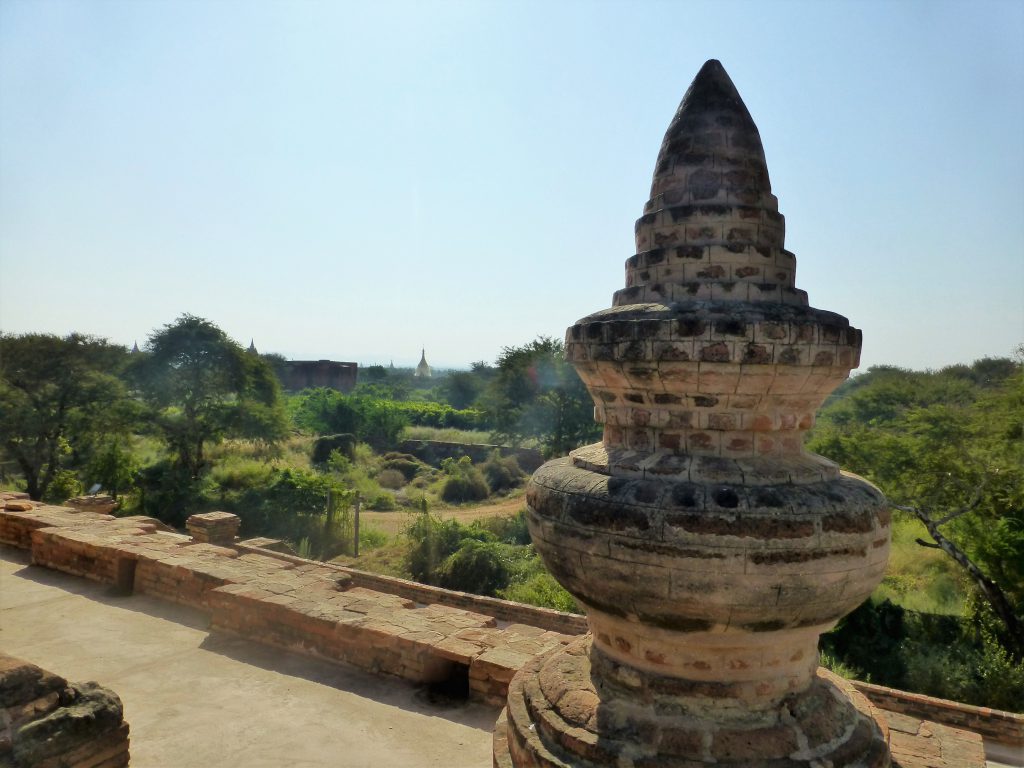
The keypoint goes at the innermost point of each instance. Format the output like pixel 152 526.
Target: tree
pixel 58 396
pixel 536 394
pixel 202 387
pixel 947 447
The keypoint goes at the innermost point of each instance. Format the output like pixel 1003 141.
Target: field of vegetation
pixel 195 423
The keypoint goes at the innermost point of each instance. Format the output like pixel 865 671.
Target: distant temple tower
pixel 252 347
pixel 423 370
pixel 707 547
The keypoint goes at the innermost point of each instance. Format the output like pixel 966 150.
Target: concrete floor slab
pixel 199 700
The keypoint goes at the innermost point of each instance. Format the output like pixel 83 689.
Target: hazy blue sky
pixel 355 181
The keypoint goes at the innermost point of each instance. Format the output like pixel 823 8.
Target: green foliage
pixel 489 557
pixel 324 447
pixel 391 479
pixel 449 435
pixel 169 492
pixel 408 466
pixel 476 566
pixel 64 485
pixel 372 420
pixel 201 387
pixel 510 530
pixel 58 398
pixel 464 482
pixel 382 502
pixel 113 466
pixel 433 541
pixel 840 668
pixel 371 538
pixel 934 440
pixel 869 639
pixel 297 505
pixel 502 473
pixel 536 395
pixel 542 590
pixel 461 389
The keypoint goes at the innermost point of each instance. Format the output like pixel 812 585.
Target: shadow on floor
pixel 386 690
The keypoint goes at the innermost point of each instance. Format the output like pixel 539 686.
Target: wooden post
pixel 355 543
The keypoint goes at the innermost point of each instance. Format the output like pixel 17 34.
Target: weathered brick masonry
pixel 47 722
pixel 994 724
pixel 286 602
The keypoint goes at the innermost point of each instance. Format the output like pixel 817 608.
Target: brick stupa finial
pixel 708 548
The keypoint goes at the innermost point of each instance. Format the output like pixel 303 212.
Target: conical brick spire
pixel 708 548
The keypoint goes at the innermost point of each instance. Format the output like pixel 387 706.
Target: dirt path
pixel 393 523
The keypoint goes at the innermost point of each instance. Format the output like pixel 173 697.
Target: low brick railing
pixel 284 601
pixel 994 724
pixel 503 610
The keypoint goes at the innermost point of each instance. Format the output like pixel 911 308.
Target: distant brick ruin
pixel 297 375
pixel 707 547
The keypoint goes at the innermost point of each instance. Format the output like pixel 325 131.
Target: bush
pixel 371 538
pixel 344 443
pixel 382 502
pixel 169 493
pixel 391 478
pixel 408 465
pixel 462 488
pixel 502 473
pixel 113 467
pixel 476 566
pixel 65 485
pixel 464 482
pixel 433 541
pixel 238 474
pixel 542 590
pixel 510 530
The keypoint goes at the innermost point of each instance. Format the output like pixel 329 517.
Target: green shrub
pixel 502 473
pixel 65 485
pixel 325 447
pixel 114 467
pixel 408 465
pixel 869 638
pixel 371 538
pixel 542 590
pixel 833 664
pixel 382 502
pixel 433 541
pixel 510 530
pixel 464 482
pixel 239 474
pixel 476 566
pixel 391 478
pixel 462 488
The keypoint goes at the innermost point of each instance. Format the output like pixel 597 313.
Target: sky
pixel 357 181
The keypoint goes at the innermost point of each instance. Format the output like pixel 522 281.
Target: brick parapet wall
pixel 283 601
pixel 994 724
pixel 503 610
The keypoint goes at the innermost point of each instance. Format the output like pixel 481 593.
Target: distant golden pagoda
pixel 423 370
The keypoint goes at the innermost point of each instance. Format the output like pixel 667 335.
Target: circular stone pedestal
pixel 560 714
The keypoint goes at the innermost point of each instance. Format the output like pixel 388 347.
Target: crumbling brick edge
pixel 994 724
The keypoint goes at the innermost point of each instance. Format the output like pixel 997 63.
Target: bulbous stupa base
pixel 563 712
